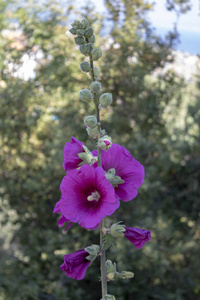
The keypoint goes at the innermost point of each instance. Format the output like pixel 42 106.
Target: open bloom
pixel 75 264
pixel 87 197
pixel 137 236
pixel 123 171
pixel 62 219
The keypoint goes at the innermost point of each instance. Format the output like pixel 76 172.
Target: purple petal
pixel 137 236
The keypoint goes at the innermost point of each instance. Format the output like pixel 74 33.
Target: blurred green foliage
pixel 156 117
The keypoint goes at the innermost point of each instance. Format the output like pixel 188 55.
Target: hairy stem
pixel 103 253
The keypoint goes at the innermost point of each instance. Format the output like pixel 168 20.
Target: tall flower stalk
pixel 96 181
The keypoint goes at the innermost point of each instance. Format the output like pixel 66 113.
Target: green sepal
pixel 108 240
pixel 80 32
pixel 73 31
pixel 88 32
pixel 91 39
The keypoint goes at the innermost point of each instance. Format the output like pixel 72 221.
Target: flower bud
pixel 90 121
pixel 105 142
pixel 105 100
pixel 85 66
pixel 80 32
pixel 79 40
pixel 117 230
pixel 93 251
pixel 89 32
pixel 86 95
pixel 84 23
pixel 96 72
pixel 95 86
pixel 77 25
pixel 96 54
pixel 92 132
pixel 73 31
pixel 110 276
pixel 108 297
pixel 110 267
pixel 125 275
pixel 91 39
pixel 86 49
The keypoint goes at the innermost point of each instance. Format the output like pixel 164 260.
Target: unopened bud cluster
pixel 85 39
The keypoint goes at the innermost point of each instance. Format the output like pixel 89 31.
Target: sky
pixel 163 21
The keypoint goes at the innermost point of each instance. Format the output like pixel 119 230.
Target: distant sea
pixel 189 41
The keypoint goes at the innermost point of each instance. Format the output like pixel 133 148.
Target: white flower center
pixel 94 196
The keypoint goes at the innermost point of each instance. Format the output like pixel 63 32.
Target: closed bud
pixel 78 24
pixel 105 100
pixel 105 142
pixel 108 297
pixel 117 230
pixel 95 87
pixel 73 31
pixel 110 276
pixel 80 32
pixel 91 39
pixel 89 32
pixel 79 40
pixel 84 23
pixel 86 95
pixel 96 54
pixel 125 275
pixel 85 66
pixel 90 121
pixel 96 72
pixel 92 132
pixel 110 267
pixel 86 49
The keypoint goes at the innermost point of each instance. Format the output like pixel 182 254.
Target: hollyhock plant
pixel 87 197
pixel 137 236
pixel 123 171
pixel 75 264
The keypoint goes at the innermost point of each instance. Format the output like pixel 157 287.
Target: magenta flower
pixel 126 168
pixel 71 159
pixel 75 264
pixel 137 236
pixel 87 197
pixel 62 219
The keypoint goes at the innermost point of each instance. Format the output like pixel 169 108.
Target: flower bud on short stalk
pixel 110 270
pixel 96 72
pixel 89 32
pixel 79 40
pixel 86 49
pixel 95 87
pixel 96 54
pixel 105 142
pixel 93 132
pixel 86 95
pixel 105 100
pixel 117 230
pixel 85 66
pixel 90 121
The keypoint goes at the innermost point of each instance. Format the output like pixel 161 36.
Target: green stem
pixel 103 253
